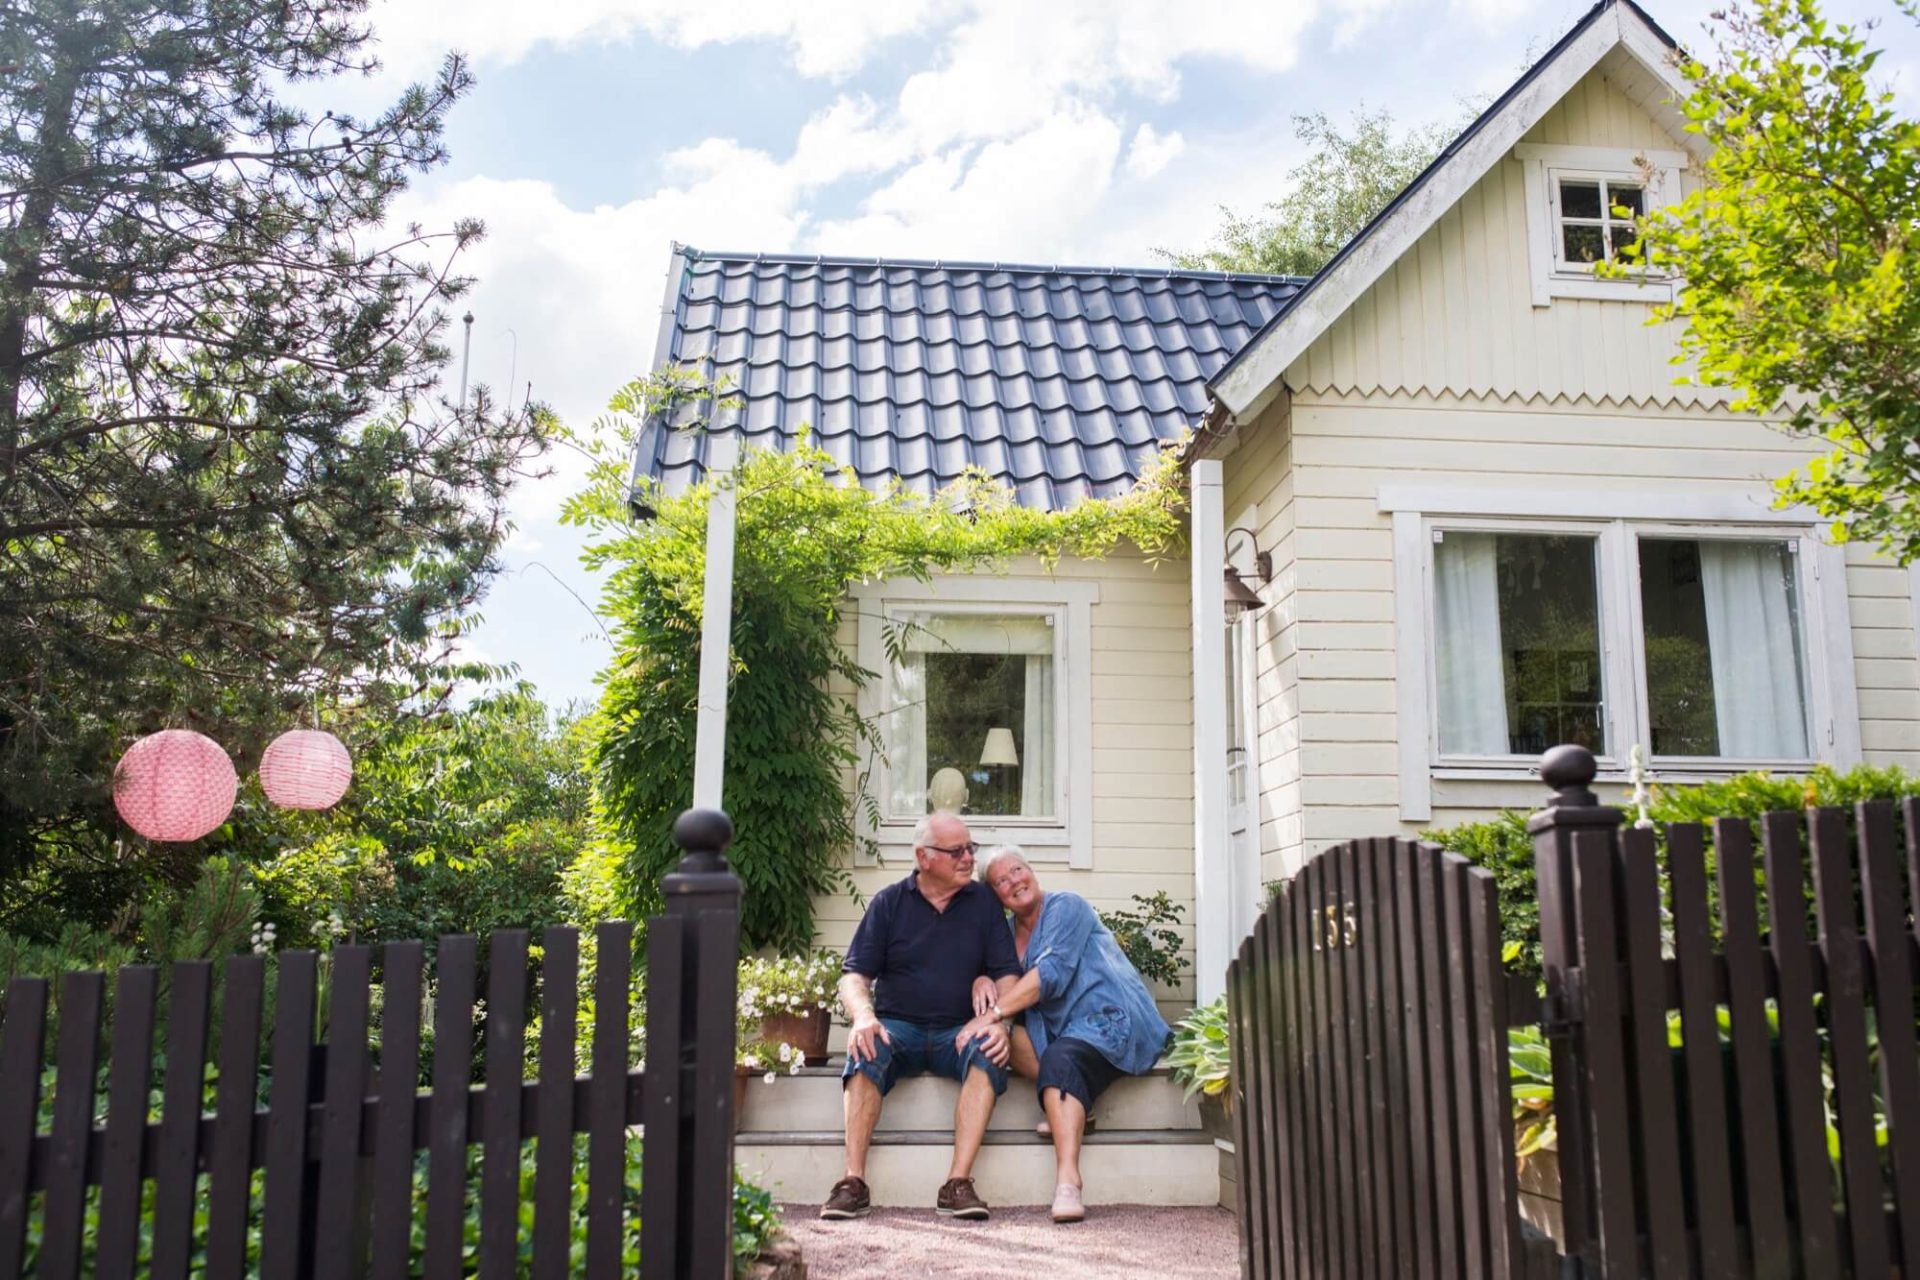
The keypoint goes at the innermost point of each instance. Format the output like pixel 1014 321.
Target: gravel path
pixel 1020 1244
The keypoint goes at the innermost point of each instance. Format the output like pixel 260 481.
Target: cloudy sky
pixel 1066 131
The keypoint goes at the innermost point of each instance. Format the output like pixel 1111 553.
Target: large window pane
pixel 1517 643
pixel 972 725
pixel 1724 652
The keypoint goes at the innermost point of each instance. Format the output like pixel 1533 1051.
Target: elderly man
pixel 907 991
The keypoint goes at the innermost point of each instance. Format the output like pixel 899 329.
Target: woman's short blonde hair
pixel 999 855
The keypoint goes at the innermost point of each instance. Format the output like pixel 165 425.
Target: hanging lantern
pixel 305 769
pixel 175 785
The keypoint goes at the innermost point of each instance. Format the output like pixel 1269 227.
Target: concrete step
pixel 810 1102
pixel 905 1168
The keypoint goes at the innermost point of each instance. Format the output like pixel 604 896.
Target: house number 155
pixel 1331 935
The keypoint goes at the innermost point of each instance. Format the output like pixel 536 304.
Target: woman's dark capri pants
pixel 1077 1069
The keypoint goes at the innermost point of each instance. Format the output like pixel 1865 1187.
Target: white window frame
pixel 1617 521
pixel 1066 837
pixel 1655 172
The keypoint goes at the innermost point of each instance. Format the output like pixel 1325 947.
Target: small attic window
pixel 1593 217
pixel 1581 205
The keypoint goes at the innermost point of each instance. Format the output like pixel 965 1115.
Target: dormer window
pixel 1581 205
pixel 1594 215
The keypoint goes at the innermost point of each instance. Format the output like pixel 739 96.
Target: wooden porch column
pixel 1213 923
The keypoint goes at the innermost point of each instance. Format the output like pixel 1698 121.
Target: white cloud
pixel 1152 151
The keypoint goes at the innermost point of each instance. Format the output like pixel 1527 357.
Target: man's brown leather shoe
pixel 958 1199
pixel 848 1200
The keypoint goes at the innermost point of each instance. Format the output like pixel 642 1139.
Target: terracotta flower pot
pixel 806 1031
pixel 741 1075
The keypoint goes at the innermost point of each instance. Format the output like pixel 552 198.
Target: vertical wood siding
pixel 1455 314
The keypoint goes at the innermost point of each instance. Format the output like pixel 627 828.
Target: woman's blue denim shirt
pixel 1088 989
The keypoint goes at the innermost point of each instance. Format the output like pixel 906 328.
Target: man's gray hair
pixel 997 856
pixel 923 830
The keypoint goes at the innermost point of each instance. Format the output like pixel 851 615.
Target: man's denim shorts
pixel 918 1050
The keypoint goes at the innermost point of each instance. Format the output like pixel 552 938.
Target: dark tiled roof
pixel 1060 381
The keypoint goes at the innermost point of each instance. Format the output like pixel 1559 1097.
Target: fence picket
pixel 1700 1029
pixel 1604 1066
pixel 22 1046
pixel 1811 1182
pixel 1638 889
pixel 1350 1034
pixel 338 1220
pixel 1372 941
pixel 76 1060
pixel 1284 1175
pixel 1243 1033
pixel 176 1171
pixel 1439 1013
pixel 393 1148
pixel 285 1236
pixel 1263 1238
pixel 1893 1005
pixel 447 1114
pixel 1321 1243
pixel 607 1097
pixel 1496 1138
pixel 553 1145
pixel 1847 1041
pixel 1412 1035
pixel 129 1067
pixel 1454 872
pixel 1397 1260
pixel 500 1157
pixel 1770 1251
pixel 229 1162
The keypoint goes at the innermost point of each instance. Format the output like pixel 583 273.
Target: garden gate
pixel 1746 1105
pixel 339 1174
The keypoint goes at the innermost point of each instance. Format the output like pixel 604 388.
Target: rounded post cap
pixel 1570 769
pixel 703 831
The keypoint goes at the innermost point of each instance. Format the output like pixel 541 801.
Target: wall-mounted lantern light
pixel 1242 598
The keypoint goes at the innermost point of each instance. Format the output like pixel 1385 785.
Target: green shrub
pixel 1502 846
pixel 1198 1055
pixel 1146 936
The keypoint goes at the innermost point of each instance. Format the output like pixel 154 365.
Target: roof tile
pixel 1061 382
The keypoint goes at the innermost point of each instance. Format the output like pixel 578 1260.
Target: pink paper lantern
pixel 305 769
pixel 175 785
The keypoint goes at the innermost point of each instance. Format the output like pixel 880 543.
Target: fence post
pixel 1573 809
pixel 687 1182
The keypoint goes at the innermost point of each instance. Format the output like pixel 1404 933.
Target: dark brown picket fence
pixel 338 1140
pixel 1369 1017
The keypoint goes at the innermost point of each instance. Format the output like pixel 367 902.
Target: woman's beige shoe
pixel 1067 1204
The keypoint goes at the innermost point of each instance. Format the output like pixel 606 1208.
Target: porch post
pixel 716 630
pixel 1214 934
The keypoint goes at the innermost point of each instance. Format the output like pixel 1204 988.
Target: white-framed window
pixel 981 698
pixel 1714 644
pixel 1581 203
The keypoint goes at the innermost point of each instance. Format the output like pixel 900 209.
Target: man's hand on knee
pixel 864 1038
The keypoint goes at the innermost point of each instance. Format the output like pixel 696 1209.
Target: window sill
pixel 1581 285
pixel 1614 774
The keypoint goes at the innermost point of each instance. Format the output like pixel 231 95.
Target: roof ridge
pixel 958 264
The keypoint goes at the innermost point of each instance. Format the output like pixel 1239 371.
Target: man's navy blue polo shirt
pixel 923 961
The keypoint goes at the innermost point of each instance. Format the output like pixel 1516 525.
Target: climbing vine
pixel 796 743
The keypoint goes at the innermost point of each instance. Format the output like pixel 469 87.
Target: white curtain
pixel 1753 643
pixel 906 737
pixel 1037 752
pixel 1468 665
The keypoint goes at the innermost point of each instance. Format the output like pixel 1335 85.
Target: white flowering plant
pixel 755 1053
pixel 788 984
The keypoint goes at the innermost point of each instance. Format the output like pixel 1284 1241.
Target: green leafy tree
pixel 1349 177
pixel 465 821
pixel 226 480
pixel 1799 254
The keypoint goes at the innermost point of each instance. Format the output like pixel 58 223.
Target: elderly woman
pixel 1089 1018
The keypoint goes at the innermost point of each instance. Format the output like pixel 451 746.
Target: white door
pixel 1243 774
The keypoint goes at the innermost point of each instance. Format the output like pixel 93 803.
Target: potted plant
pixel 791 998
pixel 1197 1058
pixel 758 1055
pixel 1536 1137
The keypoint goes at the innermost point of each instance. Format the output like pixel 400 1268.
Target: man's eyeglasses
pixel 966 850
